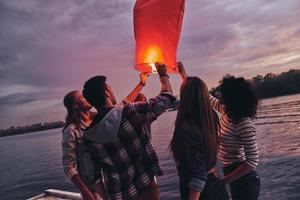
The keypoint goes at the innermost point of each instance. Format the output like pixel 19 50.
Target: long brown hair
pixel 195 109
pixel 72 117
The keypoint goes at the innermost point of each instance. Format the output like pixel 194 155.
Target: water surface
pixel 31 163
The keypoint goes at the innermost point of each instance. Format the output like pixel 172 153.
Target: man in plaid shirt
pixel 118 143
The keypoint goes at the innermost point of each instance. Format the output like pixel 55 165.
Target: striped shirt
pixel 237 140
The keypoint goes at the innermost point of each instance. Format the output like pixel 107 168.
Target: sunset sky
pixel 48 48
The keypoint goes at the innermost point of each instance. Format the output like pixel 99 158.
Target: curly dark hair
pixel 94 91
pixel 239 97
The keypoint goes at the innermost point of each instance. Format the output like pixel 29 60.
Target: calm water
pixel 31 163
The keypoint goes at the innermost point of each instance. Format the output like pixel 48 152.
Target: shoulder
pixel 70 131
pixel 69 128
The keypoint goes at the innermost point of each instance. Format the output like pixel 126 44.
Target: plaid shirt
pixel 129 162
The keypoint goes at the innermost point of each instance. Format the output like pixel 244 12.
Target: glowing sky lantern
pixel 157 28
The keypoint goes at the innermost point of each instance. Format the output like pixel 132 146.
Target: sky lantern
pixel 157 28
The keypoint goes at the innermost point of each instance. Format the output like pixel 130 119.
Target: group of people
pixel 108 154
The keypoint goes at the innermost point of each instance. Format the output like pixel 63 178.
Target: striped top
pixel 237 140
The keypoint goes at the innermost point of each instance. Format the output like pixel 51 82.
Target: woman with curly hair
pixel 238 152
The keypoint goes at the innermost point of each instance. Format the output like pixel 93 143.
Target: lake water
pixel 31 163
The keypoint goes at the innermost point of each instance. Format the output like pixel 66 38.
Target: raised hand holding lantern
pixel 157 28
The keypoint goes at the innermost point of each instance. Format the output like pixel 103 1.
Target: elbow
pixel 252 164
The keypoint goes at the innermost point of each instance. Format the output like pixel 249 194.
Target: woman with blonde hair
pixel 77 163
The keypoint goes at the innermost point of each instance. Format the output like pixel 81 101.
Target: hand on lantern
pixel 164 78
pixel 143 77
pixel 161 69
pixel 181 70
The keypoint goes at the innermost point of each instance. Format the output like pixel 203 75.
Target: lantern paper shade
pixel 157 28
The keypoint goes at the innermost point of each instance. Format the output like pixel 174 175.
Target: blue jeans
pixel 245 188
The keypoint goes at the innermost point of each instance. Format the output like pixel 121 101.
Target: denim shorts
pixel 245 188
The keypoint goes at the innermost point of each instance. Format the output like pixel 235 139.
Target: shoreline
pixel 31 129
pixel 273 97
pixel 54 125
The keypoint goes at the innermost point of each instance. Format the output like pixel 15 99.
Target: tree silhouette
pixel 273 85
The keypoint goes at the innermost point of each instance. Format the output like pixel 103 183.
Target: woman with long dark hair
pixel 77 163
pixel 238 148
pixel 195 142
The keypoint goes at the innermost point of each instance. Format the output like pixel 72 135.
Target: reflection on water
pixel 31 163
pixel 278 128
pixel 274 111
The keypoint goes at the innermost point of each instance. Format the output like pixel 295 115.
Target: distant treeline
pixel 273 85
pixel 32 128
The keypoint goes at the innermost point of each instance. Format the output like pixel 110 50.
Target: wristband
pixel 143 84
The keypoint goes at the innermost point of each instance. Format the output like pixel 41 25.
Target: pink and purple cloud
pixel 48 48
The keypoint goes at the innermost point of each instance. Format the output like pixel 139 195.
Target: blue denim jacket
pixel 192 167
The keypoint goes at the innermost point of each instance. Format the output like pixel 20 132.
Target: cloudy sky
pixel 48 48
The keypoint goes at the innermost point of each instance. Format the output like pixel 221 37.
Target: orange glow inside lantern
pixel 153 54
pixel 157 28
